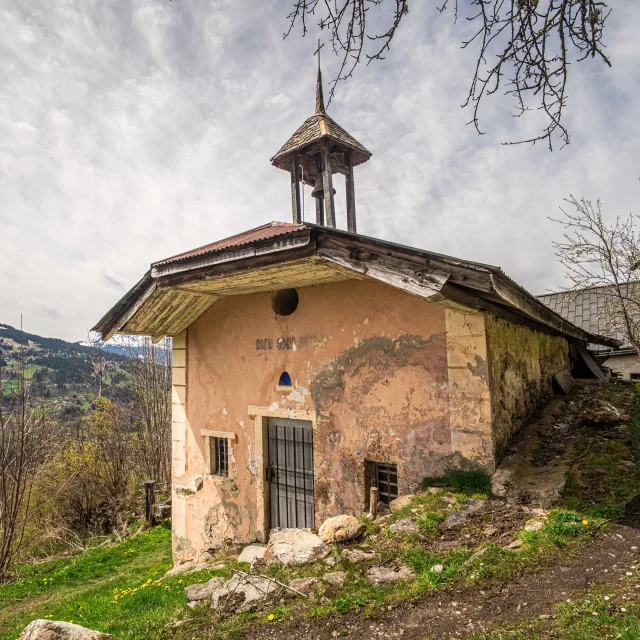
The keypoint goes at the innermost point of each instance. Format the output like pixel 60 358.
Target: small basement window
pixel 384 476
pixel 285 301
pixel 219 456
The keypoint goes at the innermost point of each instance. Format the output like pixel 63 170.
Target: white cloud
pixel 132 131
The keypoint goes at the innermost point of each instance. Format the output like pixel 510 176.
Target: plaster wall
pixel 370 366
pixel 624 365
pixel 521 363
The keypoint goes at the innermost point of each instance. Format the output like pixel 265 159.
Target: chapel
pixel 311 363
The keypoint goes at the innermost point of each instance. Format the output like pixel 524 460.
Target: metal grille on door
pixel 290 473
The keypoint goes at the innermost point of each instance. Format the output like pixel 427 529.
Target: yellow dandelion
pixel 270 617
pixel 585 522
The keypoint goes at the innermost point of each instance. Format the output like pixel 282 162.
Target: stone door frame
pixel 261 417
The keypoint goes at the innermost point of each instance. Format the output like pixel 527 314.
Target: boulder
pixel 336 578
pixel 202 590
pixel 406 525
pixel 341 529
pixel 241 592
pixel 303 584
pixel 294 546
pixel 58 630
pixel 358 554
pixel 252 552
pixel 601 414
pixel 459 518
pixel 381 575
pixel 401 502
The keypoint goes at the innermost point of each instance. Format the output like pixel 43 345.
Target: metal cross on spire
pixel 319 95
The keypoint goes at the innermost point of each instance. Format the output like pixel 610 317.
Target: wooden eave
pixel 173 295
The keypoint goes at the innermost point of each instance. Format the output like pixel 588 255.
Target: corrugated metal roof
pixel 264 232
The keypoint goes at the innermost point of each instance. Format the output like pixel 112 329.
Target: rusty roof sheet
pixel 264 232
pixel 311 130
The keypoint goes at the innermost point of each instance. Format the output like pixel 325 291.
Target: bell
pixel 318 190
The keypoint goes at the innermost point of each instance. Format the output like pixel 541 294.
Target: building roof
pixel 589 309
pixel 263 232
pixel 319 126
pixel 176 291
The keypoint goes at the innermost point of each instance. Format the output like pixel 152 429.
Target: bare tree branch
pixel 524 47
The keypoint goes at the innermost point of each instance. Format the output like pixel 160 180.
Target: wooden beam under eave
pixel 129 313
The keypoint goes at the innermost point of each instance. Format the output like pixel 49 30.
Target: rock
pixel 200 566
pixel 242 592
pixel 381 575
pixel 406 525
pixel 202 591
pixel 627 464
pixel 437 568
pixel 294 546
pixel 435 490
pixel 535 524
pixel 336 578
pixel 355 555
pixel 179 569
pixel 341 529
pixel 332 561
pixel 516 544
pixel 601 414
pixel 458 518
pixel 252 552
pixel 303 584
pixel 58 630
pixel 383 509
pixel 205 556
pixel 401 502
pixel 489 530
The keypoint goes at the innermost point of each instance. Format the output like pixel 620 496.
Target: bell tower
pixel 319 149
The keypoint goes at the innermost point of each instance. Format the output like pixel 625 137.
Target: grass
pixel 597 485
pixel 470 483
pixel 83 589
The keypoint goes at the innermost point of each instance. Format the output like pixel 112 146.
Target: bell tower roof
pixel 315 128
pixel 319 148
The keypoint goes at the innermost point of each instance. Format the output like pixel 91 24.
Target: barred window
pixel 219 456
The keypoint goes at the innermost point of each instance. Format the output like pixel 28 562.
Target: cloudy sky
pixel 132 130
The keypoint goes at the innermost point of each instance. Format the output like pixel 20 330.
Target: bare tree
pixel 597 254
pixel 25 439
pixel 151 405
pixel 523 46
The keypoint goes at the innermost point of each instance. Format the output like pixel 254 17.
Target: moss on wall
pixel 522 363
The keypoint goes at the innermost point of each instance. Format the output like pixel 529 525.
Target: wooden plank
pixel 129 313
pixel 535 309
pixel 327 185
pixel 475 277
pixel 295 189
pixel 564 380
pixel 351 196
pixel 418 281
pixel 591 363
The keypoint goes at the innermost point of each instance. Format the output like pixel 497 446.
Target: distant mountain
pixel 68 372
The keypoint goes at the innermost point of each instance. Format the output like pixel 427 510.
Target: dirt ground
pixel 457 614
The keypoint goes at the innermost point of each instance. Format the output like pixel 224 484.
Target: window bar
pixel 313 515
pixel 388 483
pixel 286 474
pixel 295 477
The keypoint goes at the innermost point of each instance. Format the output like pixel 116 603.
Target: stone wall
pixel 521 364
